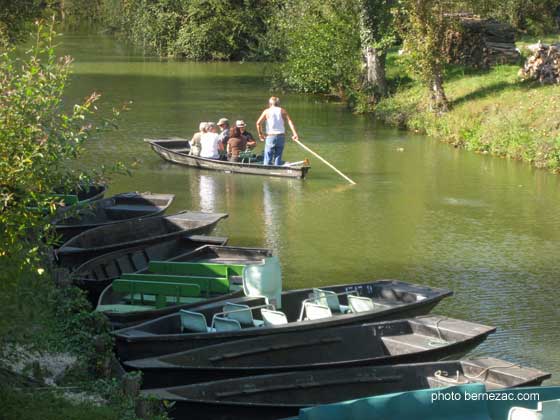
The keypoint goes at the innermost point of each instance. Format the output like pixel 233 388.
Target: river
pixel 421 211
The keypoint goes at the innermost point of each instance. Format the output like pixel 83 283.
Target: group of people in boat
pixel 235 143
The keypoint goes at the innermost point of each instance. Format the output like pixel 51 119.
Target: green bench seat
pixel 196 269
pixel 161 290
pixel 207 284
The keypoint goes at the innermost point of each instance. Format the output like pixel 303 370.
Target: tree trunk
pixel 438 100
pixel 374 73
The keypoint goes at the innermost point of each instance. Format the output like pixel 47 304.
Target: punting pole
pixel 325 162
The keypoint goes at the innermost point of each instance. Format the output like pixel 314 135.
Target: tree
pixel 38 141
pixel 376 36
pixel 424 36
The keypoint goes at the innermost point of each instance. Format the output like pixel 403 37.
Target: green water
pixel 421 211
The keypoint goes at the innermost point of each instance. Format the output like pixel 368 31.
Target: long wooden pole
pixel 325 162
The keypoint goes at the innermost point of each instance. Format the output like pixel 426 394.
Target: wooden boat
pixel 389 299
pixel 83 195
pixel 430 404
pixel 113 304
pixel 420 339
pixel 96 274
pixel 73 220
pixel 284 394
pixel 176 150
pixel 135 232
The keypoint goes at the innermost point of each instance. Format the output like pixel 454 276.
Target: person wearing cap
pixel 251 142
pixel 275 131
pixel 211 146
pixel 195 141
pixel 223 123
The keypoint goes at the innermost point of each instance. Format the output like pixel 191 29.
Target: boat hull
pixel 403 341
pixel 96 274
pixel 167 149
pixel 163 336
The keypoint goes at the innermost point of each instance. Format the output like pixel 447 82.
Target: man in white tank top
pixel 275 131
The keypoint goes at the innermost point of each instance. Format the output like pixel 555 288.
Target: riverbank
pixel 493 112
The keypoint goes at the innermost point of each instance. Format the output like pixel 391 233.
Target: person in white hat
pixel 275 131
pixel 251 142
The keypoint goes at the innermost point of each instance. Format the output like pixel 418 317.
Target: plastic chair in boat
pixel 360 303
pixel 193 322
pixel 330 299
pixel 546 410
pixel 242 313
pixel 316 311
pixel 225 324
pixel 272 318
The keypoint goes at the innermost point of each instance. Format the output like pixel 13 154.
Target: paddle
pixel 325 162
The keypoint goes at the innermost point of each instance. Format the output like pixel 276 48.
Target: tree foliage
pixel 15 17
pixel 37 142
pixel 322 46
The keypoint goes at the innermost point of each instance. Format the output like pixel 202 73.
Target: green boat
pixel 184 282
pixel 460 402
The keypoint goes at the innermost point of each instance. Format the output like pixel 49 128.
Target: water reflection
pixel 207 192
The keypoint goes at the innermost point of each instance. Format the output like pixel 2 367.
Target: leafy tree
pixel 15 17
pixel 38 141
pixel 376 36
pixel 322 46
pixel 424 31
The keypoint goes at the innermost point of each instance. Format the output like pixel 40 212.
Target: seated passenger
pixel 251 142
pixel 210 143
pixel 224 135
pixel 195 141
pixel 236 144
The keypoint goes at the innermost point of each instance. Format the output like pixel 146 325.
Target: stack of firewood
pixel 543 65
pixel 480 43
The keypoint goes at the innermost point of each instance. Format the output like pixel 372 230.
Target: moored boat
pixel 135 232
pixel 468 401
pixel 421 339
pixel 176 150
pixel 284 394
pixel 73 220
pixel 301 310
pixel 229 259
pixel 98 273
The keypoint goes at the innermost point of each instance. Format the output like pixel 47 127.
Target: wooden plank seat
pixel 196 269
pixel 161 290
pixel 130 209
pixel 207 285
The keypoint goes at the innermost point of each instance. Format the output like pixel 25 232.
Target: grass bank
pixel 493 112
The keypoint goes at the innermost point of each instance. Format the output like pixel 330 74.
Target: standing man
pixel 275 131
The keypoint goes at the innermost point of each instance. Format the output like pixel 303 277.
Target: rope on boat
pixel 488 368
pixel 443 376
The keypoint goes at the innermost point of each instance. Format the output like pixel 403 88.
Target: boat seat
pixel 546 410
pixel 410 343
pixel 247 156
pixel 315 311
pixel 330 299
pixel 241 313
pixel 225 324
pixel 272 318
pixel 127 209
pixel 364 304
pixel 193 322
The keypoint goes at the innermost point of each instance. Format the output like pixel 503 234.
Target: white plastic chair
pixel 330 299
pixel 272 318
pixel 226 324
pixel 193 322
pixel 241 313
pixel 315 311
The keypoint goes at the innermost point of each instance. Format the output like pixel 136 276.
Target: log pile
pixel 480 43
pixel 543 65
